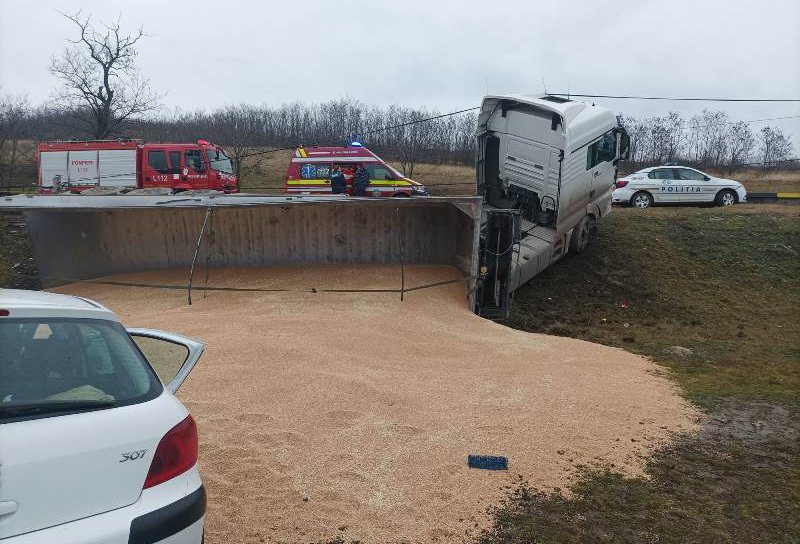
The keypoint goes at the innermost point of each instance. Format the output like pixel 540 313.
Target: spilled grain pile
pixel 324 414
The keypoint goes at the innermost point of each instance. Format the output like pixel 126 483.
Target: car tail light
pixel 175 454
pixel 621 183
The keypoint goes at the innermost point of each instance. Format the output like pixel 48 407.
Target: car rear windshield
pixel 53 366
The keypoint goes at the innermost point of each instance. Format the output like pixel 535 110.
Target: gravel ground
pixel 352 414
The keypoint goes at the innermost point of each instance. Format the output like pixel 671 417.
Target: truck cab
pixel 310 170
pixel 546 168
pixel 182 167
pixel 552 158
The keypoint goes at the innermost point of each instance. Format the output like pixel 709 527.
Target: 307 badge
pixel 132 455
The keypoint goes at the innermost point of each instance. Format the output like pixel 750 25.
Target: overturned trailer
pixel 84 237
pixel 545 168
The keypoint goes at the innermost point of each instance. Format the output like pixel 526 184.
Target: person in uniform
pixel 338 183
pixel 360 181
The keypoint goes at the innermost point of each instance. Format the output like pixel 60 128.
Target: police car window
pixel 175 162
pixel 689 175
pixel 157 159
pixel 378 172
pixel 662 173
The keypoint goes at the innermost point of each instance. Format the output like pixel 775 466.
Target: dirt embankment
pixel 325 414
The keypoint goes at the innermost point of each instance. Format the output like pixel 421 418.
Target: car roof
pixel 25 303
pixel 651 168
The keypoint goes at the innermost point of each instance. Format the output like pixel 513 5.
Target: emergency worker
pixel 360 181
pixel 338 183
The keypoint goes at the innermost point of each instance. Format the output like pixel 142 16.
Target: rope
pixel 209 211
pixel 181 287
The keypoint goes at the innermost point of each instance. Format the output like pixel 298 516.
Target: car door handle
pixel 8 507
pixel 596 174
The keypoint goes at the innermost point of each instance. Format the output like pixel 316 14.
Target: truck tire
pixel 580 235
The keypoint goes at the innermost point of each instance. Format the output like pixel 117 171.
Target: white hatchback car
pixel 93 448
pixel 676 185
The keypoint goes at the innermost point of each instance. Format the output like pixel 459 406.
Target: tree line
pixel 393 131
pixel 708 139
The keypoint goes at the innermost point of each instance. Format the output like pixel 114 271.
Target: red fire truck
pixel 73 167
pixel 310 169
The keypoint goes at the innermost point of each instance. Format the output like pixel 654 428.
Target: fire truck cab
pixel 121 165
pixel 310 171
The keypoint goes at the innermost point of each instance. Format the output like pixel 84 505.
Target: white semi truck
pixel 546 167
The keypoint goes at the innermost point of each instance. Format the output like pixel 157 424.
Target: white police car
pixel 676 185
pixel 94 446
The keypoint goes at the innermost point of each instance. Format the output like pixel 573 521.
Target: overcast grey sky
pixel 440 54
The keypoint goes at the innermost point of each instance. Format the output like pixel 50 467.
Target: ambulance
pixel 310 170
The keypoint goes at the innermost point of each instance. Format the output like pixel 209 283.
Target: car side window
pixel 690 175
pixel 661 173
pixel 603 150
pixel 157 159
pixel 379 172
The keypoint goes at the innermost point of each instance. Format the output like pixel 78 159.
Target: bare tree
pixel 708 140
pixel 238 128
pixel 101 85
pixel 776 147
pixel 14 112
pixel 740 143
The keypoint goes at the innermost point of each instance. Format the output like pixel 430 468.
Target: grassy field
pixel 714 296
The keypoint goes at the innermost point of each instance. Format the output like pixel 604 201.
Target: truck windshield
pixel 217 160
pixel 54 366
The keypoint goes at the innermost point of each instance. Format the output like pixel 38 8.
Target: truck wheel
pixel 580 236
pixel 642 199
pixel 726 197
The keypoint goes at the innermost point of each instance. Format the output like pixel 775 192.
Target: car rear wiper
pixel 17 409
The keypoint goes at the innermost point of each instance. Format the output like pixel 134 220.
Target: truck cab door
pixel 600 162
pixel 195 170
pixel 155 169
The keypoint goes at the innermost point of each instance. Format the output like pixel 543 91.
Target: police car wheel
pixel 726 197
pixel 642 199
